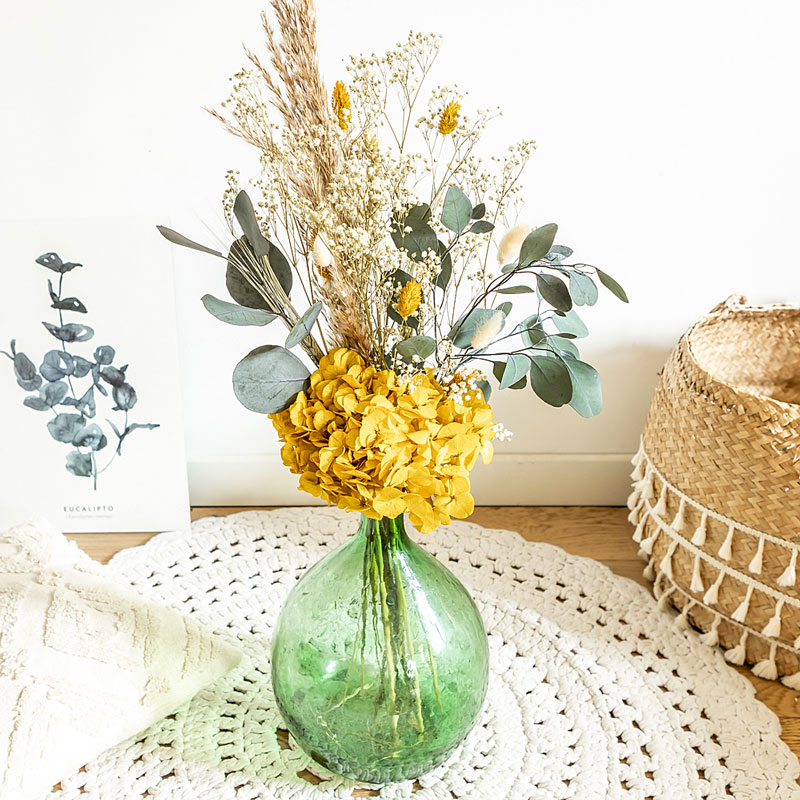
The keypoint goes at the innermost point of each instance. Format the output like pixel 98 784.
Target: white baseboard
pixel 552 479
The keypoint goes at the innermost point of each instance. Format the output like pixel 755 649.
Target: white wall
pixel 668 154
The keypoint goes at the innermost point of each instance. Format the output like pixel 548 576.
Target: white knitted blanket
pixel 594 693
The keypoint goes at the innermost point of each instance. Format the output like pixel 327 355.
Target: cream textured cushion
pixel 84 661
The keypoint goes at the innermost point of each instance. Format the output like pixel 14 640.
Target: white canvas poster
pixel 90 414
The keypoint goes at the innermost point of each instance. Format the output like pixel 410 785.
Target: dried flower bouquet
pixel 383 259
pixel 374 240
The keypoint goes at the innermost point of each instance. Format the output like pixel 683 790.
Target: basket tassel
pixel 767 668
pixel 648 490
pixel 736 655
pixel 758 558
pixel 725 551
pixel 635 513
pixel 741 611
pixel 666 563
pixel 663 601
pixel 661 506
pixel 789 575
pixel 712 595
pixel 699 537
pixel 681 622
pixel 638 465
pixel 649 572
pixel 634 497
pixel 637 534
pixel 711 636
pixel 697 581
pixel 773 627
pixel 679 523
pixel 792 681
pixel 647 544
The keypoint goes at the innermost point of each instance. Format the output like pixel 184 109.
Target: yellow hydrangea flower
pixel 366 441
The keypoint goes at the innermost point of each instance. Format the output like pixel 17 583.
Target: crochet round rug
pixel 594 692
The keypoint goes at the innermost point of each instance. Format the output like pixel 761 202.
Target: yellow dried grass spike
pixel 449 119
pixel 341 104
pixel 409 299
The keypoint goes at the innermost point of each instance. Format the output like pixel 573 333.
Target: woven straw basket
pixel 716 493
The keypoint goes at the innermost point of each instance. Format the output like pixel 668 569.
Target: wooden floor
pixel 600 533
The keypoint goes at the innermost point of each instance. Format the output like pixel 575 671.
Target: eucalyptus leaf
pixel 281 268
pixel 25 371
pixel 515 370
pixel 69 304
pixel 79 464
pixel 268 379
pixel 486 389
pixel 399 276
pixel 558 252
pixel 36 403
pixel 522 289
pixel 234 314
pixel 420 238
pixel 421 346
pixel 246 216
pixel 612 285
pixel 505 307
pixel 54 393
pixel 457 210
pixel 104 354
pixel 550 379
pixel 180 239
pixel 91 436
pixel 303 326
pixel 481 226
pixel 124 396
pixel 53 261
pixel 82 366
pixel 537 244
pixel 411 322
pixel 554 291
pixel 532 330
pixel 479 211
pixel 71 332
pixel 571 323
pixel 112 375
pixel 583 289
pixel 239 288
pixel 63 427
pixel 56 365
pixel 587 395
pixel 465 329
pixel 553 345
pixel 446 271
pixel 86 405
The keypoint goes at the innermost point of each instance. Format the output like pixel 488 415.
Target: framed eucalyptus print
pixel 89 398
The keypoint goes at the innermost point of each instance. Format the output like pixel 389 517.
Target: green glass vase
pixel 380 659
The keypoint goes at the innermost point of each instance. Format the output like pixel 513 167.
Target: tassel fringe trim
pixel 644 506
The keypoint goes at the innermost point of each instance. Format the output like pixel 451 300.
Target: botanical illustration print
pixel 66 380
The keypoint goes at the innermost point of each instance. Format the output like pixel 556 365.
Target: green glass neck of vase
pixel 390 532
